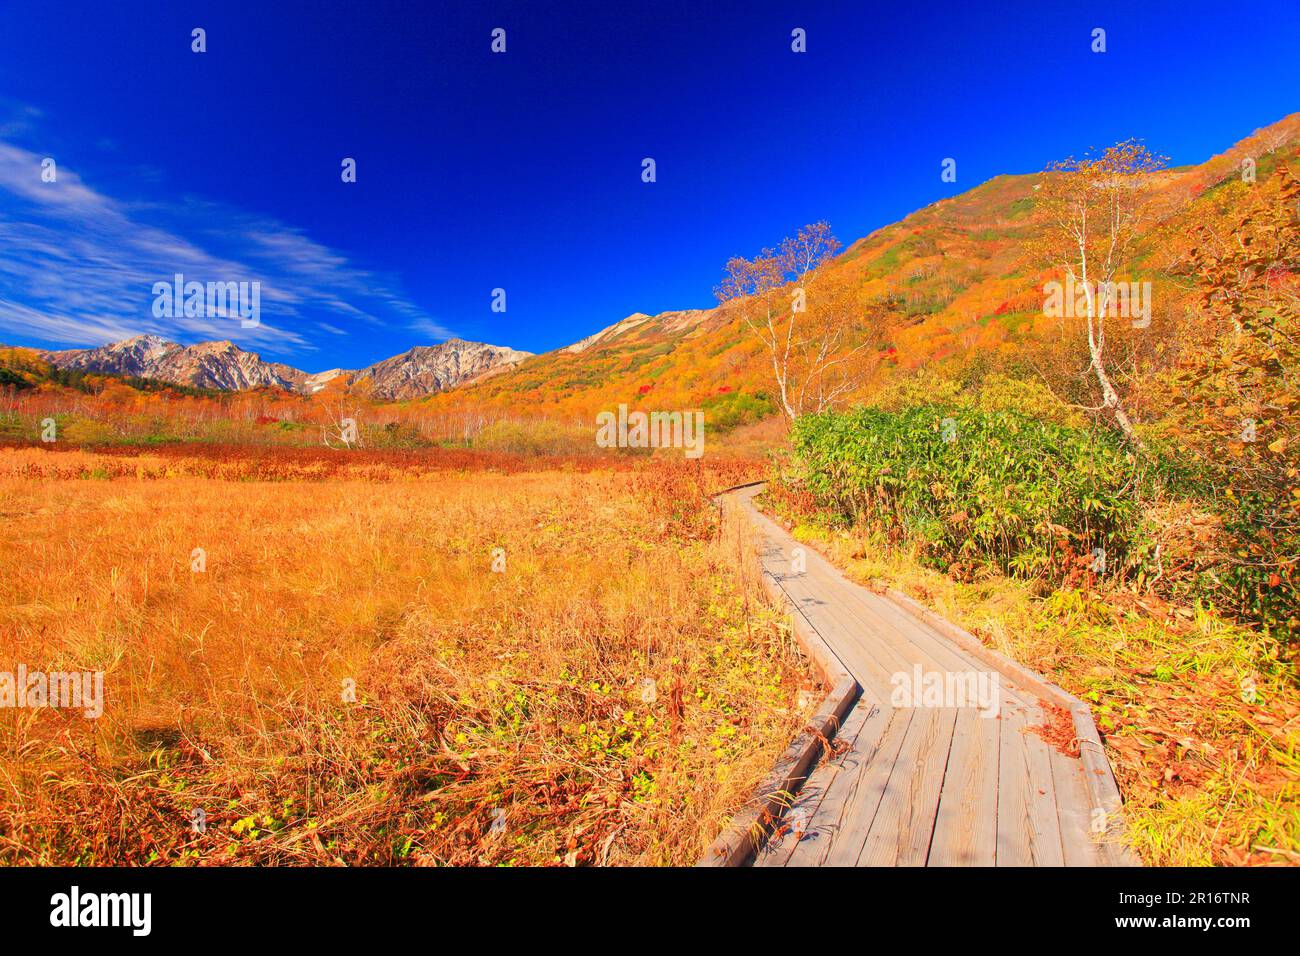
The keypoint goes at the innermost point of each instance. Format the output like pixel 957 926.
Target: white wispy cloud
pixel 77 267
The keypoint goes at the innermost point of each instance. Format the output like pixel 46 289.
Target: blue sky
pixel 523 170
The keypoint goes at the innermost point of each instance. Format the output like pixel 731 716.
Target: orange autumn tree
pixel 808 316
pixel 1094 209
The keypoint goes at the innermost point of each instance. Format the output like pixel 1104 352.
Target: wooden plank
pixel 866 789
pixel 826 808
pixel 966 828
pixel 1026 837
pixel 1078 844
pixel 904 823
pixel 1015 833
pixel 1044 815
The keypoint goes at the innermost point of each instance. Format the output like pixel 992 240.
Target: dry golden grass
pixel 514 697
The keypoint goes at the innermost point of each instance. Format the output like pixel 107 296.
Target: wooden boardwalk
pixel 937 781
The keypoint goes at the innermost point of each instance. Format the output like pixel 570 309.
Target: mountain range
pixel 422 370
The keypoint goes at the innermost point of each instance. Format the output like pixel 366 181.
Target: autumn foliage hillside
pixel 952 287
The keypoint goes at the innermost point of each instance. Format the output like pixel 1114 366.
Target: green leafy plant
pixel 1027 496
